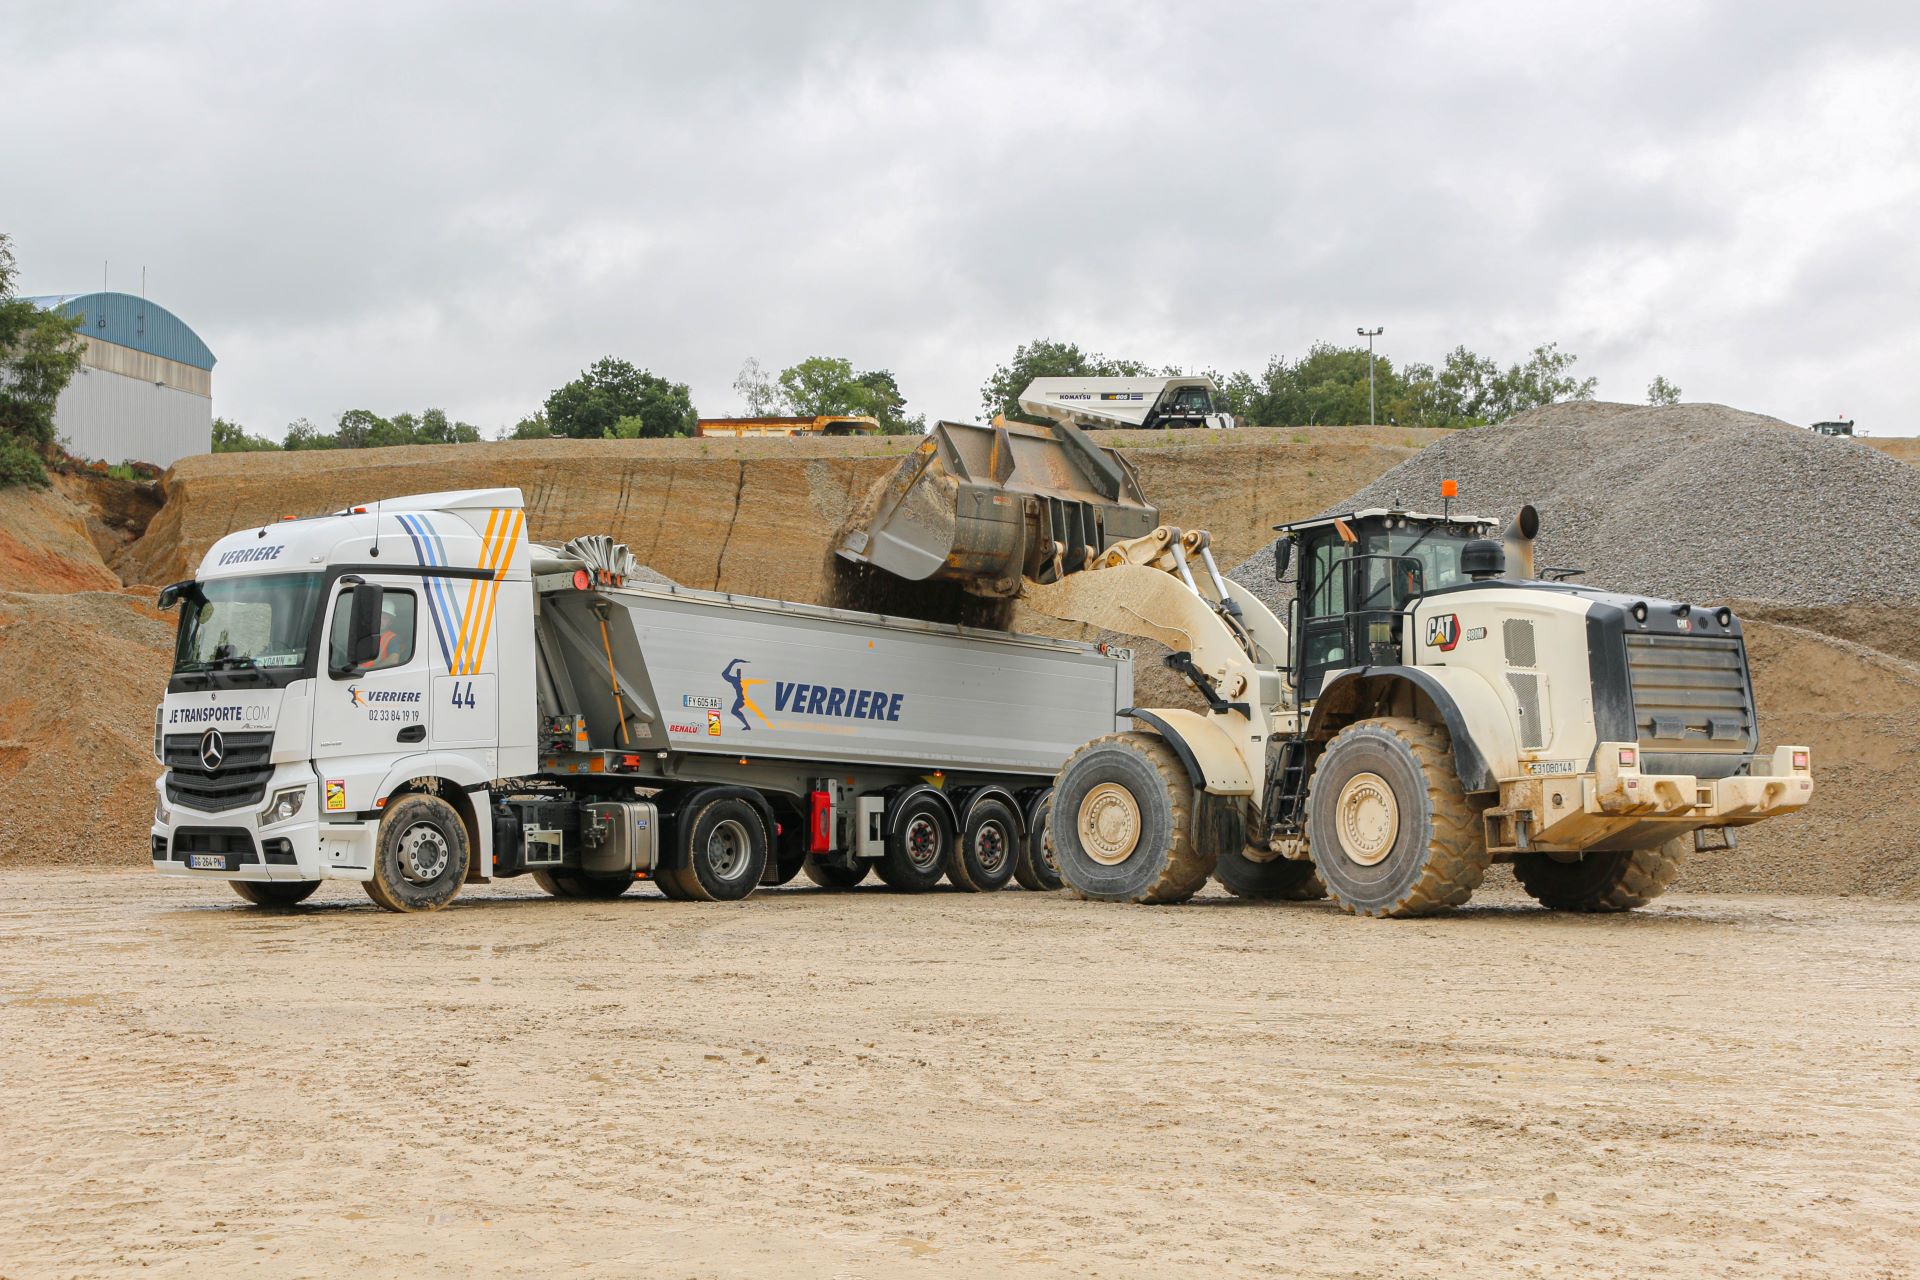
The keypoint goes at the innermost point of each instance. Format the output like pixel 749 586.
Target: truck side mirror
pixel 171 593
pixel 1282 557
pixel 363 627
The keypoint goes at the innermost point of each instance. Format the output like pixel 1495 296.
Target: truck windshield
pixel 250 622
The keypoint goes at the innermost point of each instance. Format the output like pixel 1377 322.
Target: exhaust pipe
pixel 1519 539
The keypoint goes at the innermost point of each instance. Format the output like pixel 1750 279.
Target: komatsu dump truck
pixel 415 696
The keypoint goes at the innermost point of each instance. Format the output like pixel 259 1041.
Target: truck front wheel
pixel 420 855
pixel 723 843
pixel 274 893
pixel 1601 881
pixel 1388 823
pixel 1122 822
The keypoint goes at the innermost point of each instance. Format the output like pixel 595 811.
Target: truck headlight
pixel 159 739
pixel 161 813
pixel 284 806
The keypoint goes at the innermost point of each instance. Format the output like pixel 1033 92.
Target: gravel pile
pixel 1698 502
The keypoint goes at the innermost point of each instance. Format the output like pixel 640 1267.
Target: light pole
pixel 1370 335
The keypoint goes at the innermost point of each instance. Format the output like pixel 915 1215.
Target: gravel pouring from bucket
pixel 989 506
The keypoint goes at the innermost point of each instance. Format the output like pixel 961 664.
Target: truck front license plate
pixel 207 861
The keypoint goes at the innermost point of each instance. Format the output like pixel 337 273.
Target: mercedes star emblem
pixel 213 749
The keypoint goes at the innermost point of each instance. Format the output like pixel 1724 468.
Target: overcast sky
pixel 460 205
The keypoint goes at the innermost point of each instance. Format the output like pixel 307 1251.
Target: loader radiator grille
pixel 1691 693
pixel 1518 635
pixel 1526 698
pixel 239 782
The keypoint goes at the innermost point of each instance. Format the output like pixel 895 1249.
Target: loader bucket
pixel 989 506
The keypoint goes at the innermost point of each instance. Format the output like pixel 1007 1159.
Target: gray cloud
pixel 461 205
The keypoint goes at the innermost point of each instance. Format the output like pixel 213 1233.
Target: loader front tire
pixel 1390 827
pixel 1601 881
pixel 1122 822
pixel 274 893
pixel 420 855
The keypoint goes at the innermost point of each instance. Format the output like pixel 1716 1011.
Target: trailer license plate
pixel 207 861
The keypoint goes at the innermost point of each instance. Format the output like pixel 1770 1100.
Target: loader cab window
pixel 396 631
pixel 1323 607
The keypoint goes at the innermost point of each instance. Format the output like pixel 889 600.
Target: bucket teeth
pixel 989 506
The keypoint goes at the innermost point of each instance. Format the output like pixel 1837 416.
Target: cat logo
pixel 713 724
pixel 1443 632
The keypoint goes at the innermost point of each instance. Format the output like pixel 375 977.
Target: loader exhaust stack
pixel 988 506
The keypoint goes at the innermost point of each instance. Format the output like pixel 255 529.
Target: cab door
pixel 365 717
pixel 1325 639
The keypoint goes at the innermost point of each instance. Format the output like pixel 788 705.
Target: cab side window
pixel 396 630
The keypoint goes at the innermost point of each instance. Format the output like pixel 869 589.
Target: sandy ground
pixel 860 1085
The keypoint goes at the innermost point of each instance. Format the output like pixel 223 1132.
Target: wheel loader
pixel 1430 706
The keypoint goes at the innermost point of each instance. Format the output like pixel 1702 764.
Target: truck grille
pixel 233 843
pixel 1691 694
pixel 239 782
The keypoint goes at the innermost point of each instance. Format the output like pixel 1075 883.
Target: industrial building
pixel 144 389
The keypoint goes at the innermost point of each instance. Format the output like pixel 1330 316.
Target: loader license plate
pixel 207 861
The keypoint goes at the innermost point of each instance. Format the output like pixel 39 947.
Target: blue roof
pixel 130 321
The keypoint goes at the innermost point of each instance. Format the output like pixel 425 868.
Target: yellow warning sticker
pixel 713 724
pixel 336 795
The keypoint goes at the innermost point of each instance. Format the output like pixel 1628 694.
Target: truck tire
pixel 1280 880
pixel 572 884
pixel 1036 870
pixel 724 843
pixel 274 893
pixel 917 846
pixel 1601 881
pixel 420 855
pixel 1389 825
pixel 983 859
pixel 829 876
pixel 1122 822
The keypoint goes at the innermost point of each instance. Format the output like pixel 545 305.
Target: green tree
pixel 1046 358
pixel 757 390
pixel 1662 392
pixel 592 405
pixel 39 353
pixel 532 427
pixel 302 434
pixel 1545 377
pixel 231 437
pixel 827 385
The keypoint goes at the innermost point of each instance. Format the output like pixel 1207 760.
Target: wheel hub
pixel 990 847
pixel 923 843
pixel 727 849
pixel 423 853
pixel 1109 824
pixel 1367 819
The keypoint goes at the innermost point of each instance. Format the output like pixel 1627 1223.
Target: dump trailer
pixel 415 696
pixel 1096 403
pixel 1433 706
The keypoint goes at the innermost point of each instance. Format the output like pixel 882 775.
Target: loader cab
pixel 1358 574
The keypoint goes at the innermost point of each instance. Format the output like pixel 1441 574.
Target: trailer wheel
pixel 573 884
pixel 725 847
pixel 917 846
pixel 1036 869
pixel 1281 880
pixel 983 858
pixel 419 856
pixel 830 876
pixel 1601 881
pixel 1122 822
pixel 1388 823
pixel 274 893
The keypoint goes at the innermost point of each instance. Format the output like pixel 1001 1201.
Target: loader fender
pixel 1213 762
pixel 1484 746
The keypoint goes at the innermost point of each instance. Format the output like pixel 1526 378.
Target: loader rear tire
pixel 829 876
pixel 1036 869
pixel 572 884
pixel 982 860
pixel 1601 881
pixel 420 854
pixel 1281 880
pixel 274 893
pixel 1390 827
pixel 723 842
pixel 1122 822
pixel 917 847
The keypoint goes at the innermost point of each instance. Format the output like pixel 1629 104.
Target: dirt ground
pixel 809 1084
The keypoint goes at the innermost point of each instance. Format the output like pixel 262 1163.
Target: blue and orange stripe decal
pixel 461 627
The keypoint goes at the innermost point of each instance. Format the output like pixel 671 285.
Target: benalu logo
pixel 213 748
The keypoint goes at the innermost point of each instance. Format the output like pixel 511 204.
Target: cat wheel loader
pixel 1430 707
